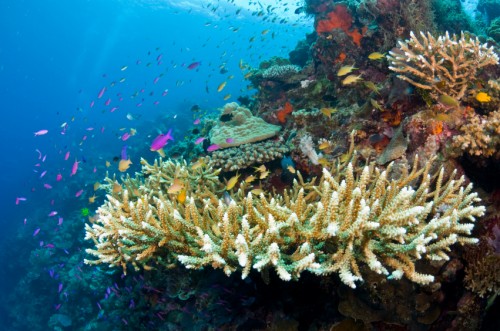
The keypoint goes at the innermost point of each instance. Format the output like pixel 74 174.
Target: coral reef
pixel 280 72
pixel 355 218
pixel 444 65
pixel 244 156
pixel 479 137
pixel 241 127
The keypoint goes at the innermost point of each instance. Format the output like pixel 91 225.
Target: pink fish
pixel 193 65
pixel 156 80
pixel 156 103
pixel 112 110
pixel 89 129
pixel 59 289
pixel 44 158
pixel 158 58
pixel 101 93
pixel 47 186
pixel 74 168
pixel 164 93
pixel 58 177
pixel 125 136
pixel 229 140
pixel 161 140
pixel 56 307
pixel 95 169
pixel 197 121
pixel 92 104
pixel 102 129
pixel 66 156
pixel 39 154
pixel 199 140
pixel 43 173
pixel 84 137
pixel 41 132
pixel 78 193
pixel 49 246
pixel 60 221
pixel 52 213
pixel 37 231
pixel 19 199
pixel 213 147
pixel 37 165
pixel 139 104
pixel 107 102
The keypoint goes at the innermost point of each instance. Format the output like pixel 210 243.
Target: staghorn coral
pixel 480 136
pixel 444 65
pixel 352 219
pixel 244 156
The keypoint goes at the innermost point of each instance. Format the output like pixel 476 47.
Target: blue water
pixel 55 57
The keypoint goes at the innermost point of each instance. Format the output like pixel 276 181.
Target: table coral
pixel 444 65
pixel 240 128
pixel 354 219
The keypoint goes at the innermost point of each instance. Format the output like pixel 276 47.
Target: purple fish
pixel 229 140
pixel 124 152
pixel 36 232
pixel 199 140
pixel 41 132
pixel 101 93
pixel 60 288
pixel 197 121
pixel 213 147
pixel 161 141
pixel 193 65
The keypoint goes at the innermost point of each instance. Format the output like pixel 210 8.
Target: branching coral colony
pixel 444 65
pixel 354 219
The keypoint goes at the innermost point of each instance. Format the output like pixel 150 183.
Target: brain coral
pixel 240 128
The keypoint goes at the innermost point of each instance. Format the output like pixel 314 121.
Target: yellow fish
pixel 345 70
pixel 376 105
pixel 323 161
pixel 260 168
pixel 227 96
pixel 264 174
pixel 483 97
pixel 448 101
pixel 376 56
pixel 328 111
pixel 248 75
pixel 96 186
pixel 264 32
pixel 250 179
pixel 108 164
pixel 257 191
pixel 198 164
pixel 351 79
pixel 371 85
pixel 176 186
pixel 221 86
pixel 182 196
pixel 92 199
pixel 161 152
pixel 324 145
pixel 232 182
pixel 291 169
pixel 124 165
pixel 116 187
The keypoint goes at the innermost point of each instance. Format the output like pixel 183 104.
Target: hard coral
pixel 444 65
pixel 354 220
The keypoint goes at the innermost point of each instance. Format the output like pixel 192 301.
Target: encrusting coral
pixel 444 65
pixel 353 219
pixel 241 127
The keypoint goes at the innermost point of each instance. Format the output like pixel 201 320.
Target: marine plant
pixel 354 220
